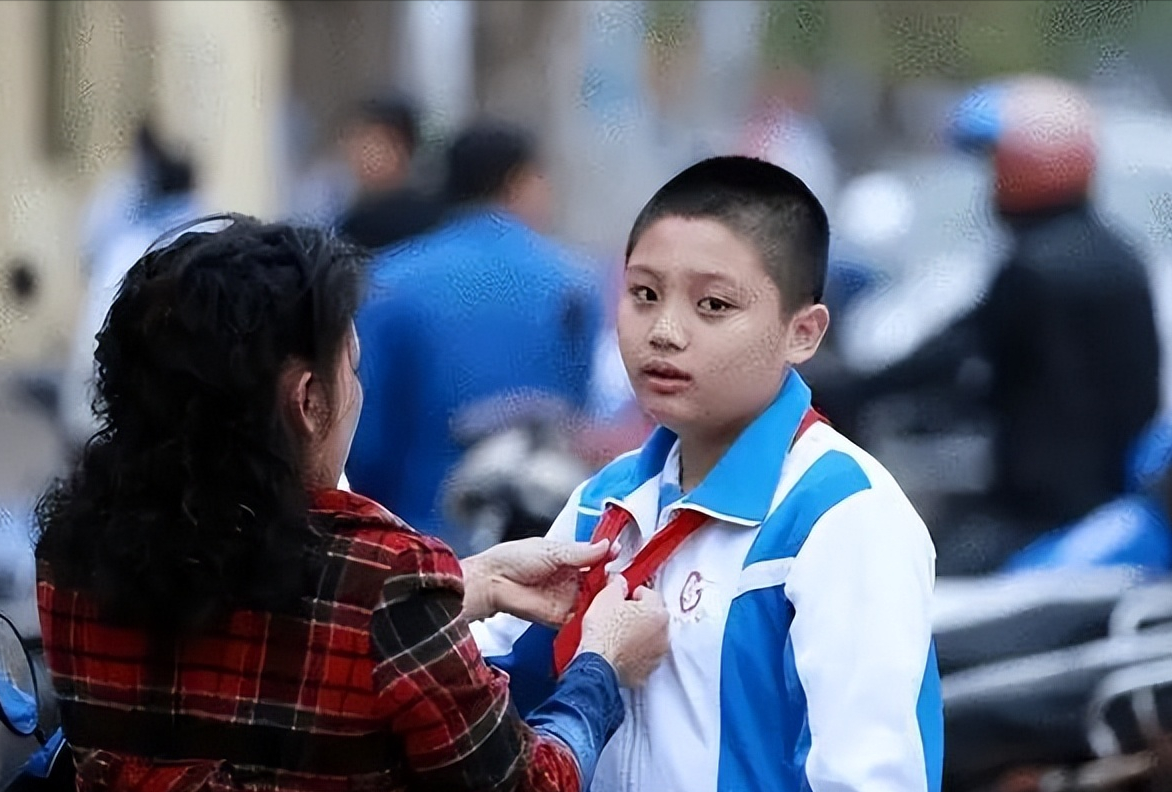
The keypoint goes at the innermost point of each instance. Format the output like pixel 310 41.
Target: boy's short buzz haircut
pixel 767 205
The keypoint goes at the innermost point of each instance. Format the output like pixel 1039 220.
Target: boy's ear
pixel 807 327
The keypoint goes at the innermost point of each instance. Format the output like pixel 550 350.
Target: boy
pixel 797 574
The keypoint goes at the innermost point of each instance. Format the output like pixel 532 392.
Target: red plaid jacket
pixel 375 685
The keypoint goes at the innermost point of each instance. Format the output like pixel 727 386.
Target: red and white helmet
pixel 1041 134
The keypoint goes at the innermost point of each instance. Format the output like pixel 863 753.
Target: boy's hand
pixel 534 579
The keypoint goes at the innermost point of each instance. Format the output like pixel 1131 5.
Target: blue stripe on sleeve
pixel 930 714
pixel 829 481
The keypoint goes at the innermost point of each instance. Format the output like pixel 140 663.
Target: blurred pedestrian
pixel 484 309
pixel 157 192
pixel 379 144
pixel 1066 332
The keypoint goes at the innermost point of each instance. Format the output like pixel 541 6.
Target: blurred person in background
pixel 157 192
pixel 1064 342
pixel 156 173
pixel 379 145
pixel 485 310
pixel 781 127
pixel 217 615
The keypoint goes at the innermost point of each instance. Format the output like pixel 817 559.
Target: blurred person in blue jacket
pixel 485 310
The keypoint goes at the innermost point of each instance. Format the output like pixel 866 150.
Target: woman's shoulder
pixel 363 533
pixel 393 548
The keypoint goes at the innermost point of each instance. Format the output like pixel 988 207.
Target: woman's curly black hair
pixel 188 502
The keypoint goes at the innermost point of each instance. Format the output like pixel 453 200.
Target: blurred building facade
pixel 75 80
pixel 250 89
pixel 621 91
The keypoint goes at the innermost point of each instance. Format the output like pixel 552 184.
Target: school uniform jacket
pixel 801 652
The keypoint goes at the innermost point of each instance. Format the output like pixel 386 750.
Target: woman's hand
pixel 533 579
pixel 632 634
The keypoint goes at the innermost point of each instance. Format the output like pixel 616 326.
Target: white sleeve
pixel 496 635
pixel 861 587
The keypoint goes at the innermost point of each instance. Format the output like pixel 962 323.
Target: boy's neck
pixel 701 451
pixel 697 459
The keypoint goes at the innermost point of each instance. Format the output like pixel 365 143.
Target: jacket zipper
pixel 634 774
pixel 632 758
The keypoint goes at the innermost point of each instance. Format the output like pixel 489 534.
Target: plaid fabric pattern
pixel 375 685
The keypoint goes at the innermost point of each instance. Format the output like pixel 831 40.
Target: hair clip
pixel 215 222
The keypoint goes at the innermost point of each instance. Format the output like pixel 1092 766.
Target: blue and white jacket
pixel 801 650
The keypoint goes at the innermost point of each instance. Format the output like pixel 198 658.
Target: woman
pixel 218 616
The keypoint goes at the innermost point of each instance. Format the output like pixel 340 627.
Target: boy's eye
pixel 643 294
pixel 714 304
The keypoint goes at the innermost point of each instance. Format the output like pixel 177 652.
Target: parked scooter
pixel 1057 671
pixel 518 471
pixel 33 754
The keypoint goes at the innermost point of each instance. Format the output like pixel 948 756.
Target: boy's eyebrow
pixel 719 278
pixel 717 275
pixel 644 269
pixel 706 276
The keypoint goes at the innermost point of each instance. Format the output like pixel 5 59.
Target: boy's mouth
pixel 665 378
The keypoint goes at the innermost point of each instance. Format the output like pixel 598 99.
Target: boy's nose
pixel 667 333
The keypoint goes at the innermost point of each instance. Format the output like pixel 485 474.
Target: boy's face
pixel 703 334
